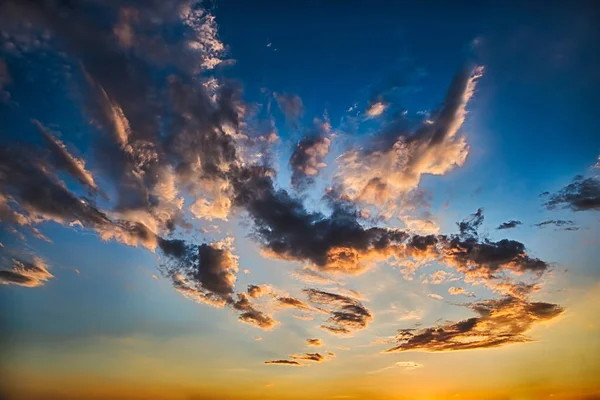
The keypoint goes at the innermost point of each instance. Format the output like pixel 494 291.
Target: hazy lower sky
pixel 299 200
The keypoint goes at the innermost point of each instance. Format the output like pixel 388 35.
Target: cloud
pixel 295 358
pixel 315 357
pixel 204 34
pixel 205 273
pixel 15 271
pixel 64 160
pixel 422 226
pixel 482 258
pixel 284 362
pixel 438 277
pixel 513 223
pixel 251 315
pixel 583 194
pixel 290 105
pixel 469 226
pixel 498 322
pixel 565 225
pixel 380 176
pixel 376 109
pixel 291 302
pixel 309 154
pixel 458 290
pixel 314 342
pixel 435 296
pixel 339 243
pixel 256 291
pixel 346 314
pixel 39 195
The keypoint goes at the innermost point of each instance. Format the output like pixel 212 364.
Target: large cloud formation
pixel 384 174
pixel 170 138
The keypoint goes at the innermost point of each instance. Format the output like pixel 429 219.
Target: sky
pixel 299 200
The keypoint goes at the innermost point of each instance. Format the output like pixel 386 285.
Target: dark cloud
pixel 513 223
pixel 582 194
pixel 206 272
pixel 287 230
pixel 251 315
pixel 486 258
pixel 469 226
pixel 483 258
pixel 284 362
pixel 313 357
pixel 316 357
pixel 314 342
pixel 16 271
pixel 39 195
pixel 499 322
pixel 346 314
pixel 309 154
pixel 30 181
pixel 565 225
pixel 338 242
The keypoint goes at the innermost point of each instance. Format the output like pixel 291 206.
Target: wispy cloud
pixel 314 342
pixel 15 271
pixel 400 364
pixel 513 223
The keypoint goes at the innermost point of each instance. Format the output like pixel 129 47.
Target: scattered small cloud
pixel 284 362
pixel 565 225
pixel 16 271
pixel 376 109
pixel 583 194
pixel 513 223
pixel 315 357
pixel 455 291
